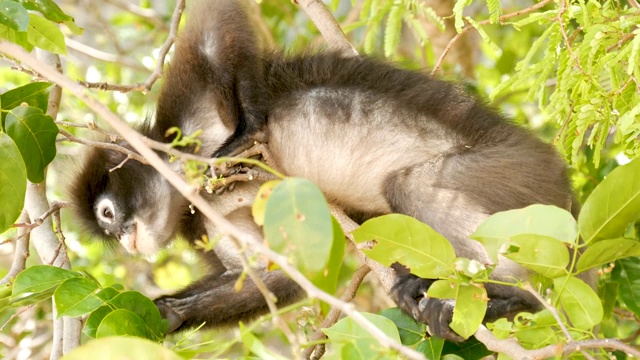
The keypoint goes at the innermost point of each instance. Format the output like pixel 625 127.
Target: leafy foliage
pixel 578 60
pixel 111 310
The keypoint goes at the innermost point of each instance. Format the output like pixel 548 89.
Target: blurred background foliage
pixel 583 97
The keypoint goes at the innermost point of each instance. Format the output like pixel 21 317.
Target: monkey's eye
pixel 105 211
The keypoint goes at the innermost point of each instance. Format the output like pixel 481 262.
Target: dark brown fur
pixel 376 139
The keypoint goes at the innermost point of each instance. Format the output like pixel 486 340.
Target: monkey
pixel 376 139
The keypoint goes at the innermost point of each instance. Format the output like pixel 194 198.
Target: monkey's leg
pixel 215 301
pixel 422 192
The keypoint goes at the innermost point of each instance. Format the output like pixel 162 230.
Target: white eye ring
pixel 105 211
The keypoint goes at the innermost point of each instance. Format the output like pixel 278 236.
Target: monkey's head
pixel 126 201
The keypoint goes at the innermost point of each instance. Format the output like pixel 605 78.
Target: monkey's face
pixel 132 203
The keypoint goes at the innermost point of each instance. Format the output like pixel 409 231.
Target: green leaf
pixel 612 205
pixel 17 37
pixel 544 220
pixel 298 224
pixel 48 8
pixel 123 322
pixel 108 293
pixel 45 35
pixel 260 203
pixel 13 16
pixel 581 304
pixel 13 182
pixel 607 251
pixel 470 304
pixel 328 280
pixel 142 307
pixel 34 94
pixel 471 349
pixel 35 135
pixel 627 274
pixel 400 238
pixel 431 348
pixel 409 330
pixel 542 254
pixel 393 29
pixel 256 346
pixel 76 297
pixel 536 330
pixel 94 320
pixel 40 278
pixel 121 348
pixel 348 332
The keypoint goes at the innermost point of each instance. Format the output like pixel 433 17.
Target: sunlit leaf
pixel 13 182
pixel 579 301
pixel 45 35
pixel 35 135
pixel 612 205
pixel 403 239
pixel 298 224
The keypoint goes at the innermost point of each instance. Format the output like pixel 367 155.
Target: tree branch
pixel 327 25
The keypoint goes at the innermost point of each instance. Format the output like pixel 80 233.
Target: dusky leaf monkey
pixel 376 139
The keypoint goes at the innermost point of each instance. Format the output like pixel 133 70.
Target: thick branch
pixel 20 253
pixel 328 26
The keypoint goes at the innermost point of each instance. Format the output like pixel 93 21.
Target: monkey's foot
pixel 167 311
pixel 409 293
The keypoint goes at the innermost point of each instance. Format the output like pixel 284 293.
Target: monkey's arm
pixel 214 299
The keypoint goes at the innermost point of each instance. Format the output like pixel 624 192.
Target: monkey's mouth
pixel 129 239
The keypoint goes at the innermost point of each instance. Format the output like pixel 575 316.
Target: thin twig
pixel 157 72
pixel 567 43
pixel 485 22
pixel 104 145
pixel 334 314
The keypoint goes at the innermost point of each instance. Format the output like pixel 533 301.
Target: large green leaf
pixel 35 135
pixel 431 348
pixel 76 297
pixel 409 330
pixel 542 254
pixel 627 274
pixel 348 337
pixel 545 220
pixel 122 322
pixel 607 251
pixel 40 278
pixel 13 16
pixel 328 280
pixel 581 304
pixel 14 36
pixel 48 8
pixel 123 348
pixel 298 224
pixel 45 35
pixel 13 182
pixel 34 94
pixel 142 307
pixel 403 239
pixel 470 304
pixel 612 205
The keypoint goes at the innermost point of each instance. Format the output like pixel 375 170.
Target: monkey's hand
pixel 167 311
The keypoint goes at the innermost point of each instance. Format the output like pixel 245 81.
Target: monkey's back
pixel 355 125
